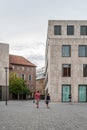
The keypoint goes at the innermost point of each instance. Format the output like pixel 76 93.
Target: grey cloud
pixel 39 60
pixel 37 57
pixel 35 53
pixel 23 46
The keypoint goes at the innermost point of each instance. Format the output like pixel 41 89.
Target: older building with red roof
pixel 24 69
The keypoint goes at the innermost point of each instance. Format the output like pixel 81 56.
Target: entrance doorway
pixel 82 93
pixel 66 90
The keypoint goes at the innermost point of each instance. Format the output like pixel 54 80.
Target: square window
pixel 66 50
pixel 22 67
pixel 70 30
pixel 57 30
pixel 18 67
pixel 27 68
pixel 82 50
pixel 83 30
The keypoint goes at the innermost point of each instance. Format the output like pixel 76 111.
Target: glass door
pixel 82 93
pixel 66 90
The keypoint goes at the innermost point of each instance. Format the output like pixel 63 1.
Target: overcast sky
pixel 23 24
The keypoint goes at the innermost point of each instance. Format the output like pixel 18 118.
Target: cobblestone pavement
pixel 23 115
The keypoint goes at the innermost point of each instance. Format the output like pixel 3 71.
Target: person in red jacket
pixel 37 98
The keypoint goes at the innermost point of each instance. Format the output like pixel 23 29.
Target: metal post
pixel 6 83
pixel 22 93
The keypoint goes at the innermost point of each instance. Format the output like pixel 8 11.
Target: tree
pixel 17 85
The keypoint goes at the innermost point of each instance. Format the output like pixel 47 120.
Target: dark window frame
pixel 84 70
pixel 30 77
pixel 23 76
pixel 66 70
pixel 82 31
pixel 79 54
pixel 57 30
pixel 69 51
pixel 70 29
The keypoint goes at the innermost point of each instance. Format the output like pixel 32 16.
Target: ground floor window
pixel 82 93
pixel 66 91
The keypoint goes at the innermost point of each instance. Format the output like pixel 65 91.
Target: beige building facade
pixel 4 76
pixel 66 60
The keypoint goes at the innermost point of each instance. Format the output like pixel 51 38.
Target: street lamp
pixel 6 68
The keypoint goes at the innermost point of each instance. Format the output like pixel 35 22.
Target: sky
pixel 24 23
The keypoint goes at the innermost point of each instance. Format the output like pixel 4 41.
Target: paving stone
pixel 23 115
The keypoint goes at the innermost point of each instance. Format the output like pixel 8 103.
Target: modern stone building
pixel 66 60
pixel 4 75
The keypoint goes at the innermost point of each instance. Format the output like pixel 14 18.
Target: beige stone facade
pixel 4 62
pixel 54 61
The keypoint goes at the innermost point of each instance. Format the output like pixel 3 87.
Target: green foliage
pixel 17 85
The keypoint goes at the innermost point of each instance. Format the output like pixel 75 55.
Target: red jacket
pixel 37 96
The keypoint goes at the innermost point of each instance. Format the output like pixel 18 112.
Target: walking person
pixel 37 98
pixel 47 100
pixel 70 98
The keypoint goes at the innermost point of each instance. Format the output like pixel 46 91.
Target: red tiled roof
pixel 19 60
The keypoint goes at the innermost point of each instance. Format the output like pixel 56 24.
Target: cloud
pixel 38 60
pixel 34 52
